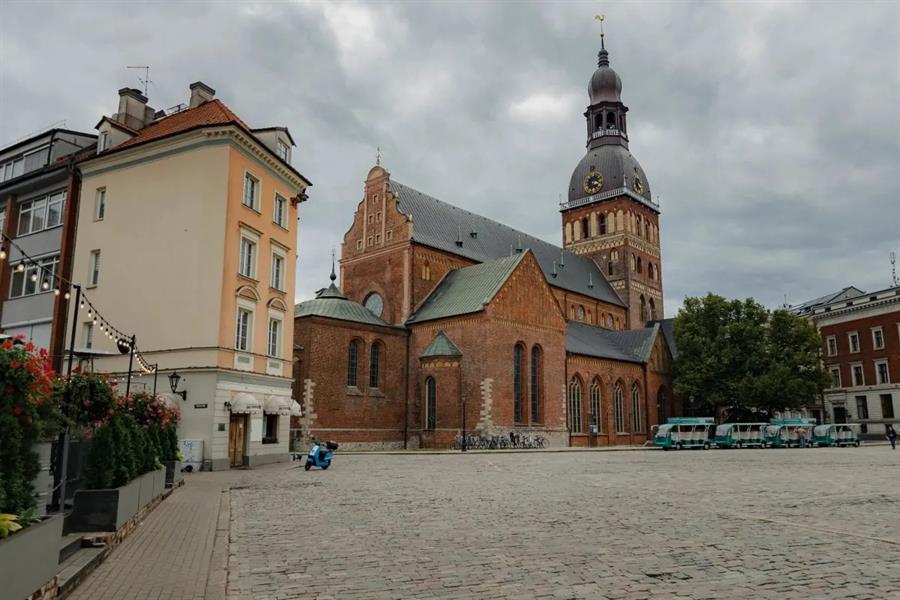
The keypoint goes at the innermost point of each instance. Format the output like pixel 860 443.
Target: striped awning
pixel 245 404
pixel 277 405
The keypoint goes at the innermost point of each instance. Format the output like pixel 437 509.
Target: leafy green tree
pixel 736 355
pixel 100 464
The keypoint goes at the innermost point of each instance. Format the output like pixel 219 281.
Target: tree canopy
pixel 738 355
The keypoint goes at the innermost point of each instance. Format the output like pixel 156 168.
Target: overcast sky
pixel 770 132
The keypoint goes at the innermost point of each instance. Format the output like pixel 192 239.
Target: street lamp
pixel 174 378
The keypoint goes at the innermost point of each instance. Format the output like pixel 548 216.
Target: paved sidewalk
pixel 171 554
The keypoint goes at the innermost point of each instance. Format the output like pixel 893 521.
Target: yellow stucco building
pixel 187 230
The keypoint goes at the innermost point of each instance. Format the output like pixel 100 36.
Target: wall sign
pixel 201 405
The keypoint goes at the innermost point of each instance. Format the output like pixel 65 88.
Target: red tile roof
pixel 213 112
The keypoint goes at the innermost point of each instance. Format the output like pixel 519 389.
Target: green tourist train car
pixel 789 433
pixel 685 432
pixel 836 434
pixel 741 435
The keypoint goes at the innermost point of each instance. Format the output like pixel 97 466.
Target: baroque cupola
pixel 608 166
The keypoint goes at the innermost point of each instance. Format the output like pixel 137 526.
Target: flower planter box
pixel 108 510
pixel 30 556
pixel 173 472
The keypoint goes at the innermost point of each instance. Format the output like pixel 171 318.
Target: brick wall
pixel 868 354
pixel 360 416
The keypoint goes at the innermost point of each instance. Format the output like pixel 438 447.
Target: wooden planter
pixel 108 510
pixel 173 472
pixel 30 556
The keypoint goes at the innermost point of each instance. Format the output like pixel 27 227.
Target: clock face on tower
pixel 593 182
pixel 638 184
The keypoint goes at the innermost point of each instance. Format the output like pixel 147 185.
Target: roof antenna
pixel 590 279
pixel 894 282
pixel 332 276
pixel 146 78
pixel 554 273
pixel 562 259
pixel 519 245
pixel 378 156
pixel 459 241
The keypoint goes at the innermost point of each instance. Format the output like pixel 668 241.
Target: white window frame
pixel 278 283
pixel 89 335
pixel 279 336
pixel 283 151
pixel 94 269
pixel 40 208
pixel 248 334
pixel 850 336
pixel 250 177
pixel 103 142
pixel 252 242
pixel 282 221
pixel 20 284
pixel 829 341
pixel 833 370
pixel 887 372
pixel 875 344
pixel 862 372
pixel 100 204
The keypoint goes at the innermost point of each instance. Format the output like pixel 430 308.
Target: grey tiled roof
pixel 331 303
pixel 667 326
pixel 440 225
pixel 466 290
pixel 810 305
pixel 441 345
pixel 633 345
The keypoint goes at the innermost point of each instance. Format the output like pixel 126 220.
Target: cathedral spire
pixel 603 57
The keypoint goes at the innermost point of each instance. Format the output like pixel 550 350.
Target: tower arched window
pixel 430 404
pixel 537 384
pixel 619 407
pixel 643 307
pixel 352 363
pixel 375 360
pixel 585 228
pixel 652 309
pixel 518 382
pixel 633 262
pixel 596 415
pixel 598 122
pixel 636 407
pixel 610 120
pixel 640 269
pixel 575 405
pixel 602 223
pixel 579 313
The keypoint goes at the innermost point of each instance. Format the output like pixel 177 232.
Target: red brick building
pixel 488 329
pixel 861 333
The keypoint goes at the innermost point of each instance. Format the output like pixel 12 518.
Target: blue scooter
pixel 320 455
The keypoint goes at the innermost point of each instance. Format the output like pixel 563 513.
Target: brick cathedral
pixel 445 320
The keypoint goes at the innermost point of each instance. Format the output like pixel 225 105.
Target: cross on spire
pixel 601 18
pixel 332 276
pixel 378 155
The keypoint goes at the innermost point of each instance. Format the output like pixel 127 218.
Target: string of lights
pixel 49 277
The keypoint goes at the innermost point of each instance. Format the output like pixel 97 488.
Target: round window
pixel 375 304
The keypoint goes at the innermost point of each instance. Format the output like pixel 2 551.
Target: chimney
pixel 133 109
pixel 200 93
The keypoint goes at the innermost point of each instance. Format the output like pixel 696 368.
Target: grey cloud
pixel 769 131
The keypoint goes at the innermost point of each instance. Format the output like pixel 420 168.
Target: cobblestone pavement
pixel 821 523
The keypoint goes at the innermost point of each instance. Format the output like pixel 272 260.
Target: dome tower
pixel 610 214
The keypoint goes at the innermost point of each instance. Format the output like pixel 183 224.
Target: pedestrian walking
pixel 891 434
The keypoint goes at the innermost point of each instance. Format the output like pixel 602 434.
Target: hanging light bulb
pixel 67 295
pixel 89 313
pixel 45 285
pixel 33 278
pixel 2 254
pixel 56 291
pixel 20 267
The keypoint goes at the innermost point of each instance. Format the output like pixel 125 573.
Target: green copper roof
pixel 466 290
pixel 441 345
pixel 333 304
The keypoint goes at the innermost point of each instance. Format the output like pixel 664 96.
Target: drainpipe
pixel 566 398
pixel 647 403
pixel 406 395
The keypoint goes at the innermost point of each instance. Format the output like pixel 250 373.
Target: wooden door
pixel 236 436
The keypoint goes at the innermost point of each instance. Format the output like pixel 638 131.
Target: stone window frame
pixel 596 398
pixel 861 381
pixel 619 407
pixel 851 335
pixel 519 383
pixel 889 403
pixel 254 188
pixel 887 371
pixel 829 341
pixel 574 405
pixel 376 364
pixel 636 408
pixel 353 354
pixel 879 330
pixel 835 369
pixel 536 384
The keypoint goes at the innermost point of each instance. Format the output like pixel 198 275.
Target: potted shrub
pixel 29 544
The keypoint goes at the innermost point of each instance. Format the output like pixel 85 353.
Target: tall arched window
pixel 640 269
pixel 430 404
pixel 596 415
pixel 619 407
pixel 585 228
pixel 375 365
pixel 610 120
pixel 575 406
pixel 536 384
pixel 652 309
pixel 352 363
pixel 602 223
pixel 643 307
pixel 518 383
pixel 636 407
